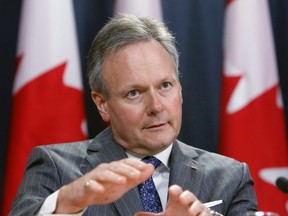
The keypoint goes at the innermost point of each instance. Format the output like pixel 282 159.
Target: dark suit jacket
pixel 208 175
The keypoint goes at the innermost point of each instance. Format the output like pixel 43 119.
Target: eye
pixel 166 85
pixel 133 93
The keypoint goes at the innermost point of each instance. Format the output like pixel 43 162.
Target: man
pixel 133 74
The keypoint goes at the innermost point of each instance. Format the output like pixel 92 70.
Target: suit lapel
pixel 185 171
pixel 129 203
pixel 104 149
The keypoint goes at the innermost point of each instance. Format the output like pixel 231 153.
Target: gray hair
pixel 120 31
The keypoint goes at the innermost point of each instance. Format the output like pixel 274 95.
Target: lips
pixel 155 125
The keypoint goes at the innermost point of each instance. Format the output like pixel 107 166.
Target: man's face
pixel 145 101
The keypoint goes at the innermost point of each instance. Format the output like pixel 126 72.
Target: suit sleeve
pixel 41 179
pixel 245 198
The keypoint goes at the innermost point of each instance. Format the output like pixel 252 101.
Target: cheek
pixel 176 101
pixel 127 115
pixel 175 107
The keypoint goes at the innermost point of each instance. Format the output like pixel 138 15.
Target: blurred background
pixel 199 29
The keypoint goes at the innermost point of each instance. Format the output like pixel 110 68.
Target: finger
pixel 135 171
pixel 175 190
pixel 187 198
pixel 93 186
pixel 185 202
pixel 124 175
pixel 134 175
pixel 135 163
pixel 118 171
pixel 197 208
pixel 174 193
pixel 128 168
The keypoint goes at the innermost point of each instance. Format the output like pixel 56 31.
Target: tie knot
pixel 153 160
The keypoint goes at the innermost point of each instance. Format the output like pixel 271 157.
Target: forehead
pixel 138 59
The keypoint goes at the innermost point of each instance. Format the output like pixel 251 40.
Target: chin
pixel 160 144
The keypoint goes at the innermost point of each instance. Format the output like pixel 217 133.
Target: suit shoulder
pixel 63 150
pixel 210 158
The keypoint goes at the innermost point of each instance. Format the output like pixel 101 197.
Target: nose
pixel 154 103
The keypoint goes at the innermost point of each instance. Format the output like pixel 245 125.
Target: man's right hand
pixel 102 185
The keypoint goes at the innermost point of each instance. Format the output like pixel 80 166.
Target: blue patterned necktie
pixel 149 196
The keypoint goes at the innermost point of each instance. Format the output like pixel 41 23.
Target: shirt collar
pixel 162 156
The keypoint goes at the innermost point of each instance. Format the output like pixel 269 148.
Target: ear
pixel 101 104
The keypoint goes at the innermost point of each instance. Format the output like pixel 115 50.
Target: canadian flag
pixel 47 102
pixel 252 119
